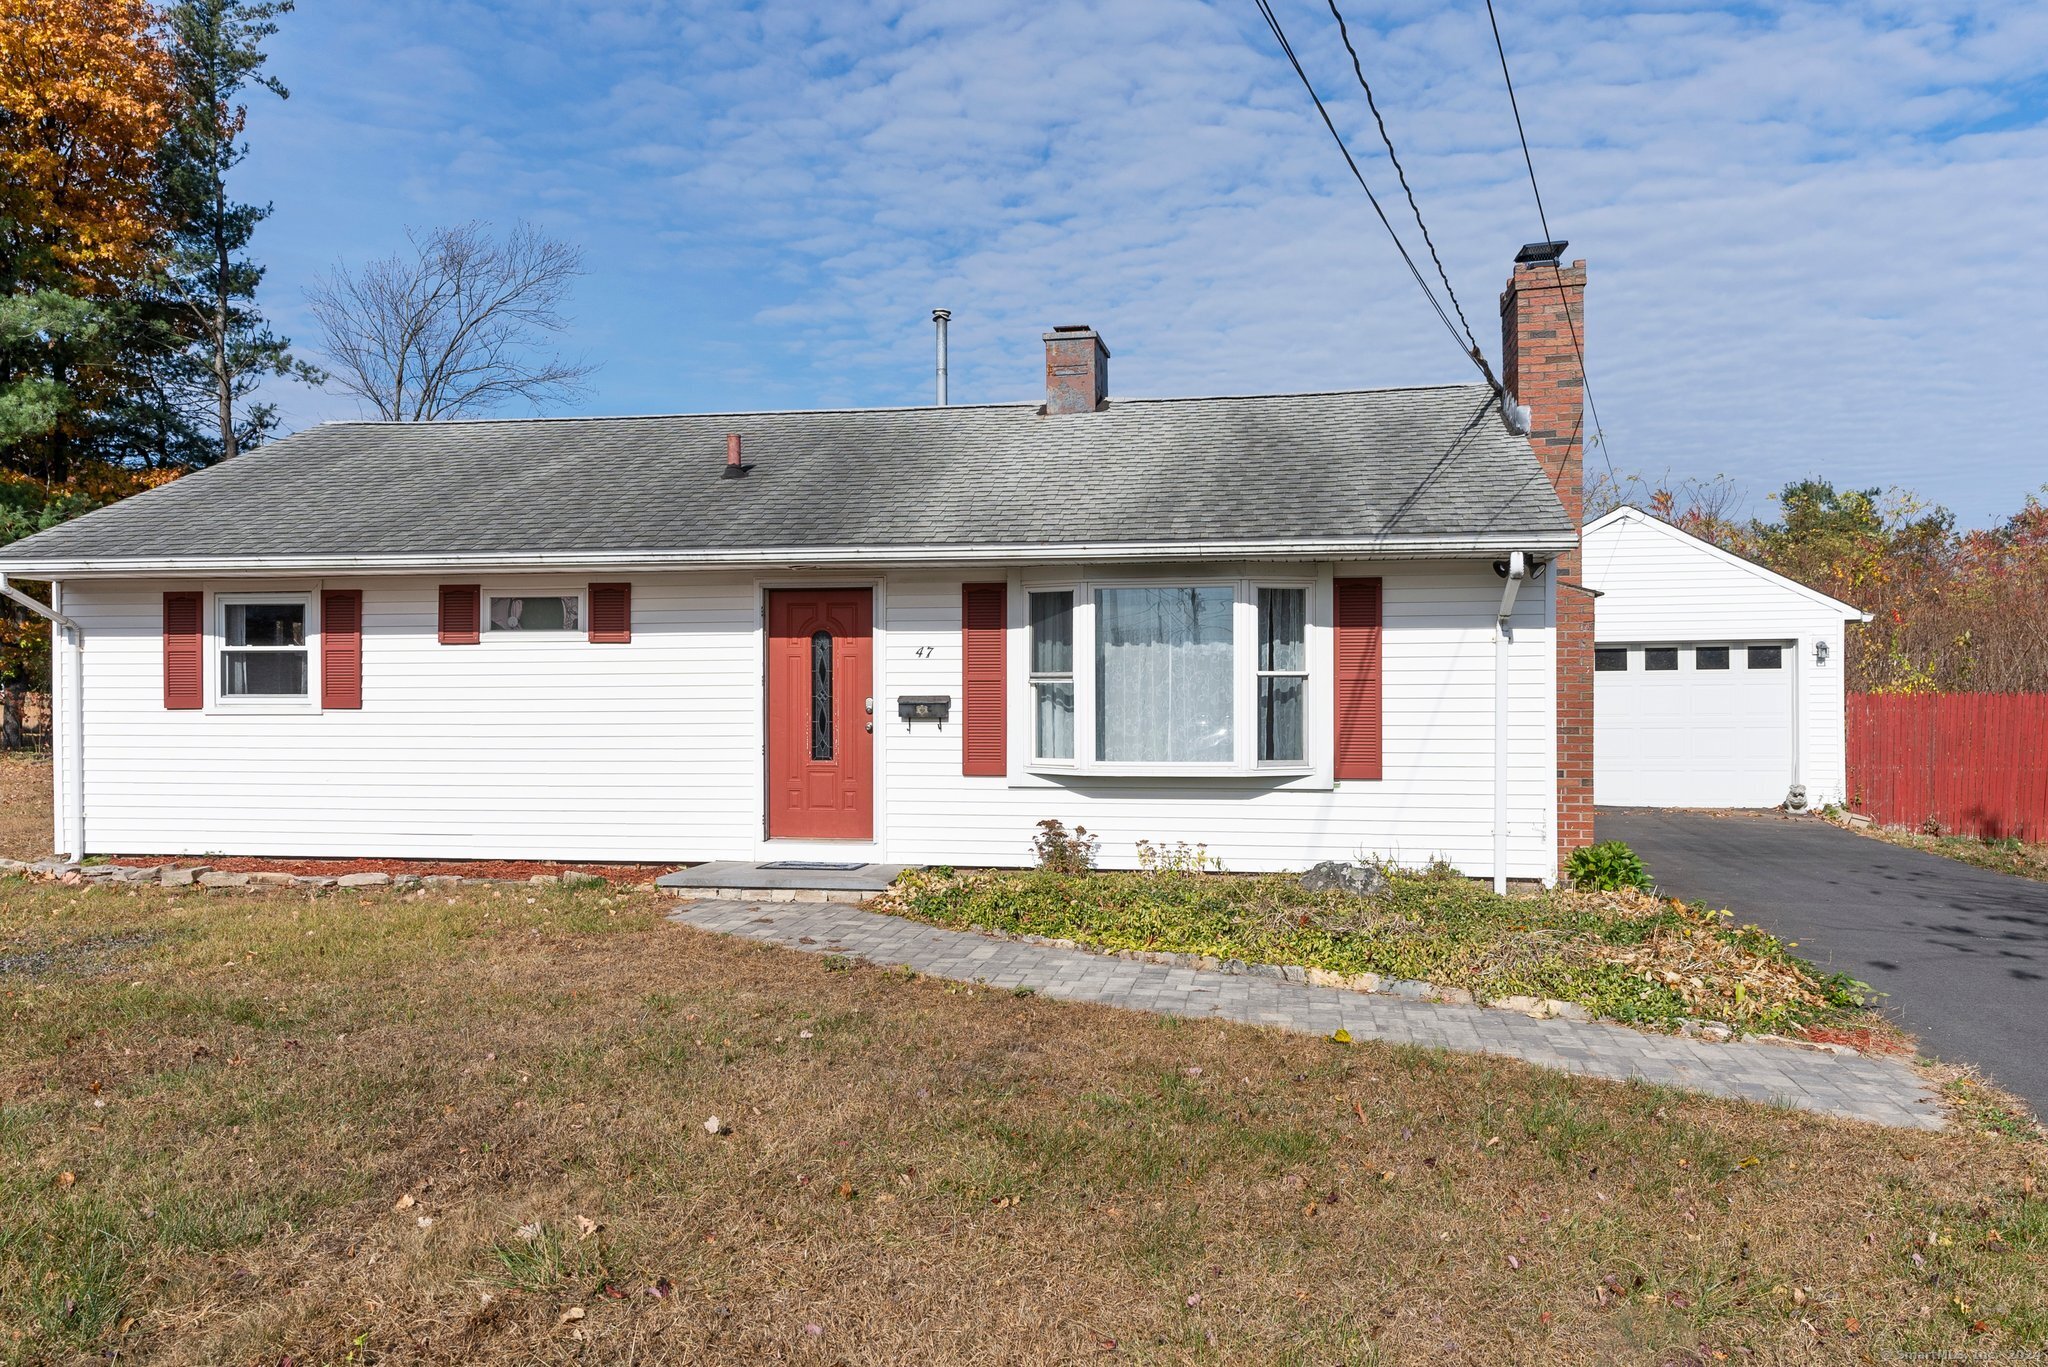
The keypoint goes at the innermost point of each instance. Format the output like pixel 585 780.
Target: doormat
pixel 815 865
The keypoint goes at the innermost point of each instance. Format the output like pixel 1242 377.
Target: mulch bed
pixel 459 868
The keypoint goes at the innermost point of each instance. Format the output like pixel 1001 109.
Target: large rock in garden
pixel 1362 880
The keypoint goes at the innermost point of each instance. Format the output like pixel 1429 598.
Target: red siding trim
pixel 984 725
pixel 184 651
pixel 461 614
pixel 611 614
pixel 1358 679
pixel 341 649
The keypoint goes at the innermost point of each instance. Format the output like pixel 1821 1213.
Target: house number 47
pixel 925 652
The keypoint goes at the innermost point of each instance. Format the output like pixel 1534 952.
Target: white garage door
pixel 1695 725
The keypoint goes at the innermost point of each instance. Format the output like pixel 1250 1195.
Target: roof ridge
pixel 881 408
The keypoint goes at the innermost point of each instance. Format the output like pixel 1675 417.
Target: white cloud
pixel 1813 228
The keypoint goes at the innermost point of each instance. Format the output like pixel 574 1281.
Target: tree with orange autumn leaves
pixel 121 363
pixel 86 95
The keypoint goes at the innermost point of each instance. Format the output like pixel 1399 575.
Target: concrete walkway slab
pixel 1880 1091
pixel 739 880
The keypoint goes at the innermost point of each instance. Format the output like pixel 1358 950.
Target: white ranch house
pixel 1292 628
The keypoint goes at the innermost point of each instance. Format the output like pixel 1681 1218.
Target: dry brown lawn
pixel 323 1127
pixel 24 806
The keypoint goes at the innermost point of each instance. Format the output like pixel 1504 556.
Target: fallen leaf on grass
pixel 1341 1036
pixel 404 1202
pixel 65 1179
pixel 585 1226
pixel 569 1316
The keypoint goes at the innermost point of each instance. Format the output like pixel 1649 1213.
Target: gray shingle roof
pixel 1392 467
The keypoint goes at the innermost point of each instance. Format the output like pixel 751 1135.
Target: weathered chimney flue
pixel 940 317
pixel 733 468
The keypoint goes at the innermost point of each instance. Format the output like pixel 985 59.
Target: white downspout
pixel 71 732
pixel 1518 570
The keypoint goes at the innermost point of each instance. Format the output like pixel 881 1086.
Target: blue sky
pixel 1817 233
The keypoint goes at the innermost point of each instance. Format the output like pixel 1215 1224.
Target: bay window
pixel 1162 676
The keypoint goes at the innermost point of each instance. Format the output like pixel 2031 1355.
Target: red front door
pixel 821 741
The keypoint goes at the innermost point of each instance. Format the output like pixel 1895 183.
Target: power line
pixel 1344 31
pixel 1585 380
pixel 1476 356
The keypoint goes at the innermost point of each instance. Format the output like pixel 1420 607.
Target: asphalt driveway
pixel 1962 952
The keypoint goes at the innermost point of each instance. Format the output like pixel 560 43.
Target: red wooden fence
pixel 1975 762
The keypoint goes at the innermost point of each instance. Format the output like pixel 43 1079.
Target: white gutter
pixel 71 733
pixel 1388 548
pixel 1518 570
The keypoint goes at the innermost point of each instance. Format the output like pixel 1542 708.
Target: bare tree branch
pixel 457 328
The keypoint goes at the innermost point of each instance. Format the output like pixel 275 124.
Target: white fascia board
pixel 1390 548
pixel 1637 515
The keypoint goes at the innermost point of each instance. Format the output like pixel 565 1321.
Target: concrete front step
pixel 736 880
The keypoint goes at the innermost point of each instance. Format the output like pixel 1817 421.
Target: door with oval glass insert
pixel 821 742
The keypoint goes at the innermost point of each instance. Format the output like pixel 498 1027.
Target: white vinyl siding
pixel 548 748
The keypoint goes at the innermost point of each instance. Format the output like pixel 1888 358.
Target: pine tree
pixel 208 292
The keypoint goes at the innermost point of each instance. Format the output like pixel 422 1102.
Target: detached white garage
pixel 1716 682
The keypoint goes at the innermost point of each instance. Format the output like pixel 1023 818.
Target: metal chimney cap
pixel 941 315
pixel 1538 253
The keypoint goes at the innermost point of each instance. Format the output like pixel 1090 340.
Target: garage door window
pixel 1660 657
pixel 1710 657
pixel 1766 657
pixel 1608 660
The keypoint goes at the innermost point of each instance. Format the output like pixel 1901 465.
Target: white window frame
pixel 579 592
pixel 1244 587
pixel 218 647
pixel 1309 692
pixel 1032 679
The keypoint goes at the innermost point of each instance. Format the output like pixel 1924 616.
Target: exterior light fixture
pixel 1820 652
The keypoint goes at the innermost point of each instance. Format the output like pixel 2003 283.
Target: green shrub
pixel 1608 866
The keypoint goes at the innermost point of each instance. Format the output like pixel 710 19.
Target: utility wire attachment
pixel 1474 354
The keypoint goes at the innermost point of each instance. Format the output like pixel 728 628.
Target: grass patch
pixel 1623 955
pixel 2006 854
pixel 25 814
pixel 321 1127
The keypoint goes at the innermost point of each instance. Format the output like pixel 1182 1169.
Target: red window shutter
pixel 611 614
pixel 341 649
pixel 1358 678
pixel 984 727
pixel 184 651
pixel 461 607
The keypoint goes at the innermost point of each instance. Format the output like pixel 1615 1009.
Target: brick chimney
pixel 1076 370
pixel 1543 334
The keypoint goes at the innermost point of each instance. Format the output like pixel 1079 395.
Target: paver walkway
pixel 1880 1091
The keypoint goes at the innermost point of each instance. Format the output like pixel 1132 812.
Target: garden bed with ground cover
pixel 1626 956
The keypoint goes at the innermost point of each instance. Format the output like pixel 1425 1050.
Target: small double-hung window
pixel 1052 674
pixel 1283 676
pixel 263 647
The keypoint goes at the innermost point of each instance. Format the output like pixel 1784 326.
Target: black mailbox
pixel 934 707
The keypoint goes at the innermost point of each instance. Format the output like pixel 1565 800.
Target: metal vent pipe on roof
pixel 940 317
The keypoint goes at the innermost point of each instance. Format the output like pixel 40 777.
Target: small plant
pixel 1179 857
pixel 1063 851
pixel 1609 866
pixel 1930 826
